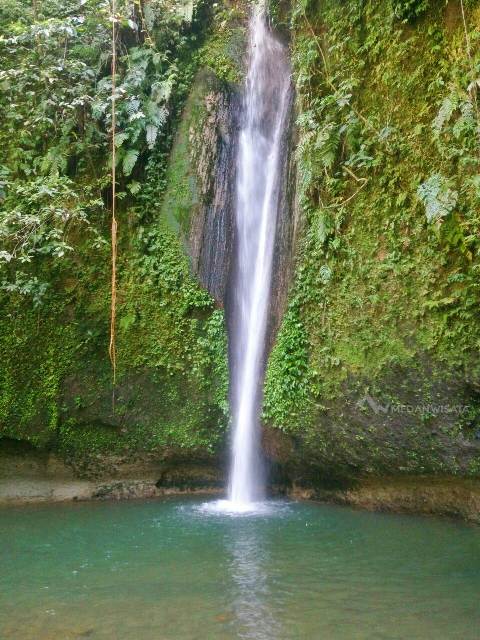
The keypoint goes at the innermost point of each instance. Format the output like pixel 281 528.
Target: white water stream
pixel 265 113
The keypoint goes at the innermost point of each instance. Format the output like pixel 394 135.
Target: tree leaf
pixel 129 161
pixel 151 134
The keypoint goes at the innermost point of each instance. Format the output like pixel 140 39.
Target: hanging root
pixel 113 306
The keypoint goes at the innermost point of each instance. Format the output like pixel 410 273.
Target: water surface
pixel 173 570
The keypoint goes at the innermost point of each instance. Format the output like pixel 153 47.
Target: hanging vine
pixel 113 306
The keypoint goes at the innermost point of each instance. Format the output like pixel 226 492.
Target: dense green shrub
pixel 409 9
pixel 387 160
pixel 55 114
pixel 55 185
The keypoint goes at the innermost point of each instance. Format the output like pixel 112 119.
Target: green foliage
pixel 287 385
pixel 37 214
pixel 439 200
pixel 389 254
pixel 55 108
pixel 50 66
pixel 408 9
pixel 39 220
pixel 54 222
pixel 35 356
pixel 224 51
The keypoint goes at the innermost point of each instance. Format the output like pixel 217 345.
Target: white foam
pixel 230 508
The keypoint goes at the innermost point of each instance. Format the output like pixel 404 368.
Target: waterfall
pixel 264 122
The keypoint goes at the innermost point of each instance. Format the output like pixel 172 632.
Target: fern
pixel 185 10
pixel 325 228
pixel 129 161
pixel 151 134
pixel 120 138
pixel 437 197
pixel 155 114
pixel 409 9
pixel 445 112
pixel 327 143
pixel 325 273
pixel 132 106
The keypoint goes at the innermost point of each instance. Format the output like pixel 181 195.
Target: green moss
pixel 34 357
pixel 182 190
pixel 377 287
pixel 171 393
pixel 224 51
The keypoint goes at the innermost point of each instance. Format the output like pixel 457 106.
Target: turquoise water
pixel 168 570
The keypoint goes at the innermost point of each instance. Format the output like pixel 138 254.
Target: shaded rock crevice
pixel 213 146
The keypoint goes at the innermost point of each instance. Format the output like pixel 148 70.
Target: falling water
pixel 265 112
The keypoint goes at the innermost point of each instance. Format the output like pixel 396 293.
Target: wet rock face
pixel 200 199
pixel 22 460
pixel 286 232
pixel 418 419
pixel 199 202
pixel 213 146
pixel 31 475
pixel 440 496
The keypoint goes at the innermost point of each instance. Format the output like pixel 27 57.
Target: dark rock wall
pixel 213 146
pixel 211 149
pixel 283 259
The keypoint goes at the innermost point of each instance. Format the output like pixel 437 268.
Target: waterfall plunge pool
pixel 177 570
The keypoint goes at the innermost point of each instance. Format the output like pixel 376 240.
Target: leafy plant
pixel 408 9
pixel 56 97
pixel 374 286
pixel 438 198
